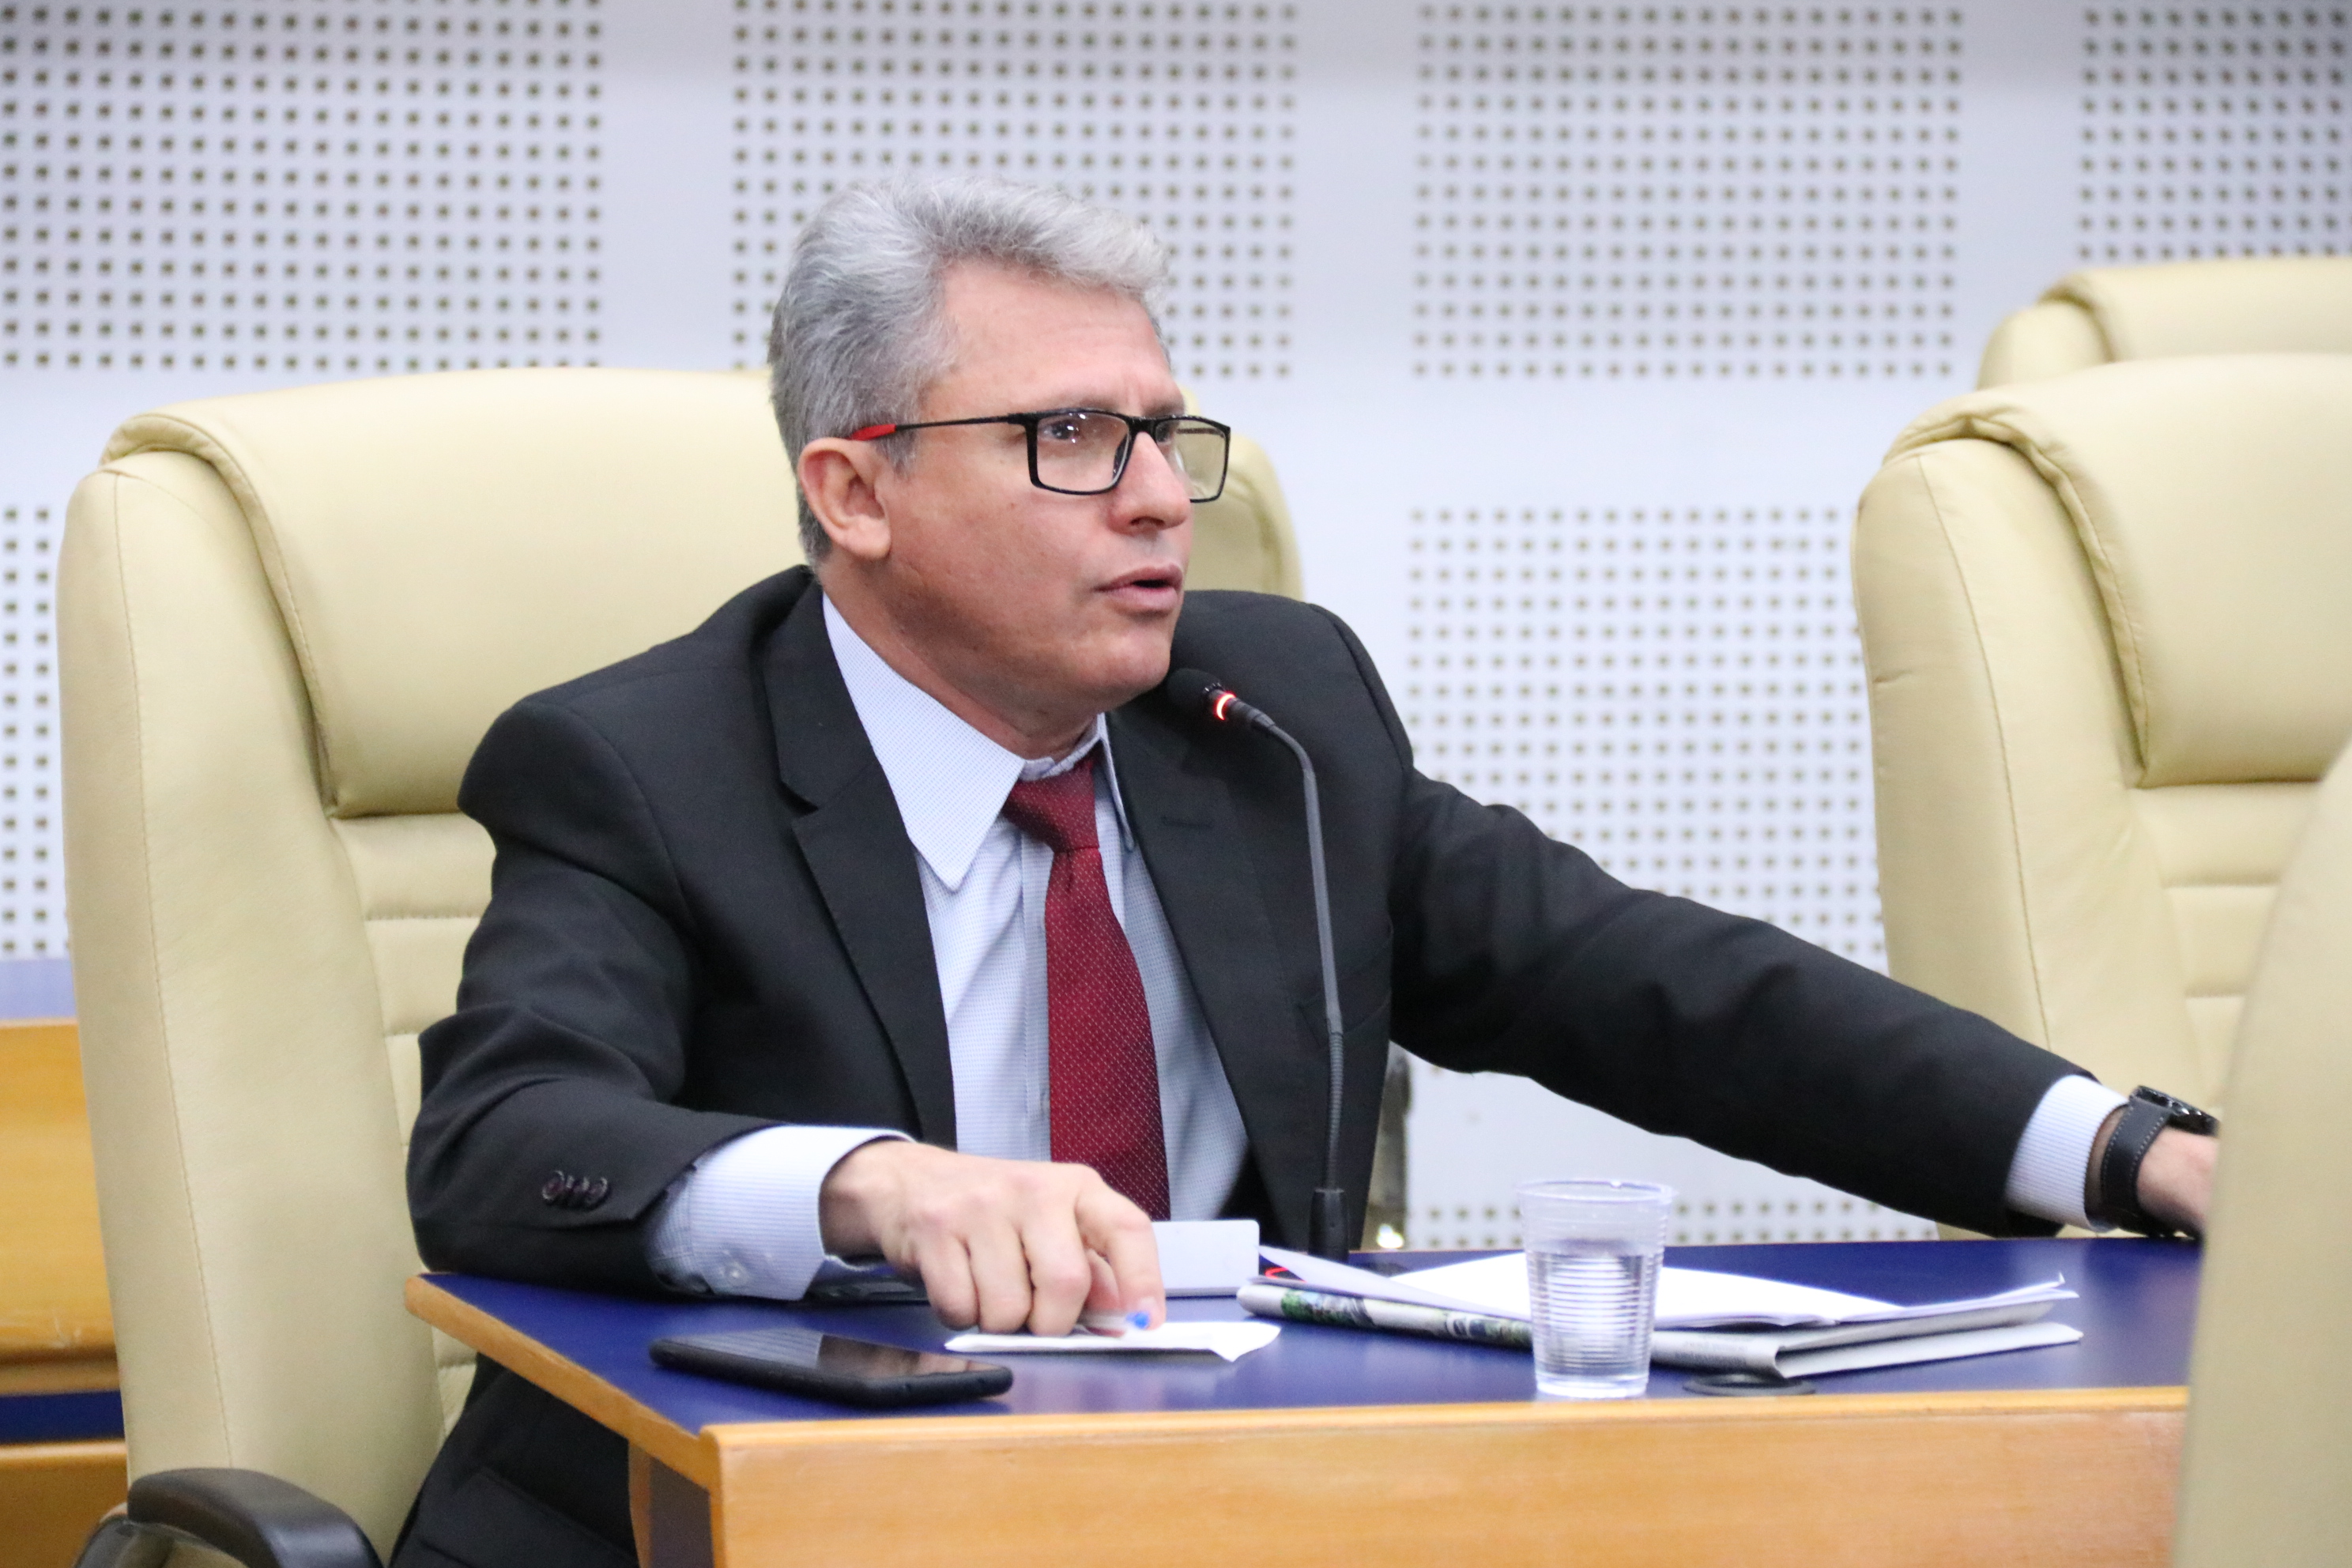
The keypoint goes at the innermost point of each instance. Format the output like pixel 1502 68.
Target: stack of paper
pixel 1705 1321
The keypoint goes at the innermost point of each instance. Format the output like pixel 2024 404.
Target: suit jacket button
pixel 555 1189
pixel 596 1193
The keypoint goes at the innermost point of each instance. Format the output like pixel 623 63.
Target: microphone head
pixel 1194 691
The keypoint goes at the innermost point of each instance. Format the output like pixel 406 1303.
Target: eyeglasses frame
pixel 1137 424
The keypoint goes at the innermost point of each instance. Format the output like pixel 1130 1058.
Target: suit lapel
pixel 857 849
pixel 1184 820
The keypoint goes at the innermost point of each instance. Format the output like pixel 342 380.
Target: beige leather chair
pixel 2282 304
pixel 2107 625
pixel 286 619
pixel 2267 1474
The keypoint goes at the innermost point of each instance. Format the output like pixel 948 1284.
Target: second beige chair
pixel 286 619
pixel 2108 619
pixel 2267 304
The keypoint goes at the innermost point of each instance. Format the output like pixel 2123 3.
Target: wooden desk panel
pixel 1865 1479
pixel 52 1272
pixel 52 1496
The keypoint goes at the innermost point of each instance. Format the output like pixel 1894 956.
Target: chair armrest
pixel 258 1520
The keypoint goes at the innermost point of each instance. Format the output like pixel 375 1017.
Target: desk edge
pixel 593 1397
pixel 1047 1429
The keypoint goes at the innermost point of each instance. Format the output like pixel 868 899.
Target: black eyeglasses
pixel 1084 451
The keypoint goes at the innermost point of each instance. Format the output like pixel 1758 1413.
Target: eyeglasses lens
pixel 1197 449
pixel 1078 452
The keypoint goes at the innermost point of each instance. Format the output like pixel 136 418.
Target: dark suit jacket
pixel 706 918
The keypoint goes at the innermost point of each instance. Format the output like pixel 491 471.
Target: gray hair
pixel 858 335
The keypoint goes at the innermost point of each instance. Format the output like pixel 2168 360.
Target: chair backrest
pixel 2267 1472
pixel 2107 619
pixel 2245 305
pixel 286 619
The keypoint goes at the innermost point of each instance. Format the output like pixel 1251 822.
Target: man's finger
pixel 1118 1230
pixel 1059 1274
pixel 945 1267
pixel 999 1271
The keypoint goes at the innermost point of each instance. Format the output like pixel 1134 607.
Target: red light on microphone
pixel 1219 704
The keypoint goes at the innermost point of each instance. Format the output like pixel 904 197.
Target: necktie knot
pixel 1057 812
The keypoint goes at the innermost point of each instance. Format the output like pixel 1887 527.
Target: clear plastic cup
pixel 1593 1248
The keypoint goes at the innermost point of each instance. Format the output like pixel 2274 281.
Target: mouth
pixel 1158 586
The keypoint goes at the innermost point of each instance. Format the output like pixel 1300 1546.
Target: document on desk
pixel 1231 1341
pixel 1707 1321
pixel 1687 1297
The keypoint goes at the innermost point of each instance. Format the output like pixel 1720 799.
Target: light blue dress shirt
pixel 743 1221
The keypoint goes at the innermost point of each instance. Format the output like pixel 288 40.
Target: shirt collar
pixel 949 780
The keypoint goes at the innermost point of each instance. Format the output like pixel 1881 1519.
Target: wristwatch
pixel 2146 1113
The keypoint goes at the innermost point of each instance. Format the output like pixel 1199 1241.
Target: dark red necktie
pixel 1105 1076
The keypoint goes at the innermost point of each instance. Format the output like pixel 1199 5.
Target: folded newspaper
pixel 1707 1321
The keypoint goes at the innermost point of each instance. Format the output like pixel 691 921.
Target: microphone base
pixel 1326 1225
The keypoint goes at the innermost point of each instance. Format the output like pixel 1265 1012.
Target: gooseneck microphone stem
pixel 1328 1224
pixel 1197 692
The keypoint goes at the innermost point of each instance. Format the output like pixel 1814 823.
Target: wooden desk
pixel 53 1304
pixel 61 1452
pixel 1337 1446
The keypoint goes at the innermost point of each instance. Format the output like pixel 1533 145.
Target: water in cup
pixel 1593 1250
pixel 1593 1309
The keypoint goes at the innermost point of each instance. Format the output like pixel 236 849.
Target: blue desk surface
pixel 2136 1310
pixel 88 1416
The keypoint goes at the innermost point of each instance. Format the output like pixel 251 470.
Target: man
pixel 897 912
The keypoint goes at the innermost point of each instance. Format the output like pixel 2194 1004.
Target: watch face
pixel 2178 1113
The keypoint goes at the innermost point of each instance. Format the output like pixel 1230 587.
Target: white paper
pixel 1770 1350
pixel 1231 1341
pixel 1926 1347
pixel 1205 1256
pixel 1687 1297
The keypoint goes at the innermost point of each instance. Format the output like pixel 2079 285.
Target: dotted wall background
pixel 1677 691
pixel 331 186
pixel 1179 112
pixel 1687 190
pixel 2214 131
pixel 32 885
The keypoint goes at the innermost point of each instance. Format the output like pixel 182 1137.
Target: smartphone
pixel 831 1366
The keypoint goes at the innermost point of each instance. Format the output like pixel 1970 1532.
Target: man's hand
pixel 2176 1178
pixel 997 1243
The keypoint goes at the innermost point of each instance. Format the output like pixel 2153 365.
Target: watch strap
pixel 2127 1145
pixel 2145 1115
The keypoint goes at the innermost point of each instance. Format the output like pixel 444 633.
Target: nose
pixel 1151 493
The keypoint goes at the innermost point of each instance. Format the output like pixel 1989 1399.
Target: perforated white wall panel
pixel 1180 112
pixel 2213 131
pixel 1612 190
pixel 32 887
pixel 1574 329
pixel 335 187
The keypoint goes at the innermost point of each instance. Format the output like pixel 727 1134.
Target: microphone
pixel 1203 695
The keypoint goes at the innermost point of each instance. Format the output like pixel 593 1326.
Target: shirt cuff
pixel 2054 1158
pixel 743 1221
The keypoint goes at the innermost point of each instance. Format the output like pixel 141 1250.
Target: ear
pixel 842 480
